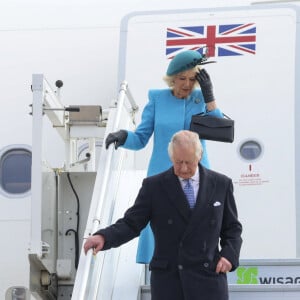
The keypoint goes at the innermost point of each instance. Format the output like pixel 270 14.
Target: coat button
pixel 180 267
pixel 206 265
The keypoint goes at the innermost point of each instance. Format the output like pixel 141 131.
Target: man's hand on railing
pixel 118 138
pixel 95 242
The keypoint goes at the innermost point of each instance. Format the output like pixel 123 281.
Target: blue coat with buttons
pixel 188 244
pixel 163 116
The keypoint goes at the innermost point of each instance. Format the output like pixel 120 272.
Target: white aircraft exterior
pixel 80 43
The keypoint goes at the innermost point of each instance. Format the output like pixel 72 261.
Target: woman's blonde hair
pixel 169 80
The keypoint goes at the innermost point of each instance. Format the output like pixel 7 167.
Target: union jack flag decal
pixel 212 40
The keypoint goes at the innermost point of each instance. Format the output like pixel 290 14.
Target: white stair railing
pixel 102 206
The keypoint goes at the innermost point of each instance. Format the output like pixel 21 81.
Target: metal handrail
pixel 82 277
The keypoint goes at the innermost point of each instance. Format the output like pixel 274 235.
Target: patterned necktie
pixel 189 192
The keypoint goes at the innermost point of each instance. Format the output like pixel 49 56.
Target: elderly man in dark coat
pixel 197 238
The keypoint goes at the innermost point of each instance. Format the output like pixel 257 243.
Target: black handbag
pixel 213 128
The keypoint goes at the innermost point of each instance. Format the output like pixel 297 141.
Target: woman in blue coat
pixel 168 111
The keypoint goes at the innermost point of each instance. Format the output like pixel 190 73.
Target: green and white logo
pixel 247 275
pixel 270 275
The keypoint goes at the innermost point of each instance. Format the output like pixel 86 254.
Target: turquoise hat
pixel 184 61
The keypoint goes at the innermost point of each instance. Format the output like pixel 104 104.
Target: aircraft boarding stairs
pixel 92 191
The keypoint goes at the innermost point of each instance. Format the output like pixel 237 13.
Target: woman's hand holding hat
pixel 206 85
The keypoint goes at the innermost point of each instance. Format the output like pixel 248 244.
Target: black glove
pixel 206 85
pixel 118 137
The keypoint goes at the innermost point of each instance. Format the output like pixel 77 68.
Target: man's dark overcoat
pixel 188 244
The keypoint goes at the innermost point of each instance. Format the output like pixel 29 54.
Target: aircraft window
pixel 250 150
pixel 15 171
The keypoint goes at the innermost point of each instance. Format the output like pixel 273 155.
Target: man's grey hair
pixel 186 138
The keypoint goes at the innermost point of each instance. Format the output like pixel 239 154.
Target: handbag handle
pixel 226 116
